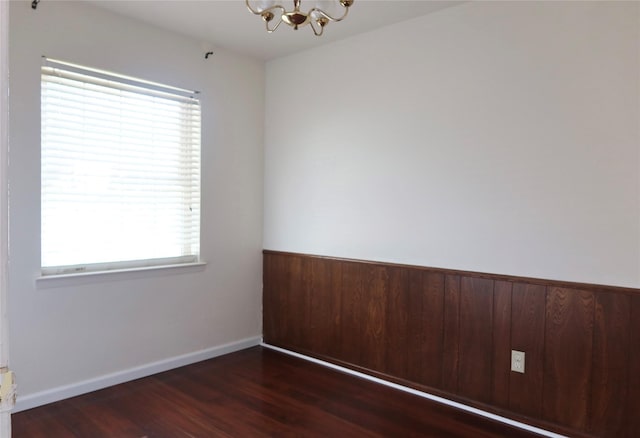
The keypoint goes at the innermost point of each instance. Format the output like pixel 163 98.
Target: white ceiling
pixel 228 24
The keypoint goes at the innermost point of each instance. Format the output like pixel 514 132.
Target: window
pixel 120 171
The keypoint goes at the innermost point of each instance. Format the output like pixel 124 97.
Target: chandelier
pixel 317 18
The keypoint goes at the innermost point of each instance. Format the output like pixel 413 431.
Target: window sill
pixel 62 280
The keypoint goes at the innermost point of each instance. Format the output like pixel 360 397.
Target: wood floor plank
pixel 253 393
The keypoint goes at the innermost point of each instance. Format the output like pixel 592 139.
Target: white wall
pixel 497 137
pixel 79 331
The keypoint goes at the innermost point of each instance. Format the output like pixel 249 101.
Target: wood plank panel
pixel 426 302
pixel 280 271
pixel 501 342
pixel 274 298
pixel 475 355
pixel 451 335
pixel 398 354
pixel 416 344
pixel 296 297
pixel 336 337
pixel 633 400
pixel 568 357
pixel 433 327
pixel 527 334
pixel 373 318
pixel 321 326
pixel 351 313
pixel 610 364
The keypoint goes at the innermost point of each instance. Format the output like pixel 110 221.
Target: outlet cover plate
pixel 517 361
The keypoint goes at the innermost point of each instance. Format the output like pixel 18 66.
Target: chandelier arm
pixel 270 9
pixel 268 15
pixel 315 31
pixel 266 24
pixel 327 16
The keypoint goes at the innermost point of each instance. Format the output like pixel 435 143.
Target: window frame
pixel 137 264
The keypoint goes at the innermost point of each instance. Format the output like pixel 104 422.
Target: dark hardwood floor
pixel 252 393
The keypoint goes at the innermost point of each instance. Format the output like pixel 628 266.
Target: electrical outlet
pixel 517 361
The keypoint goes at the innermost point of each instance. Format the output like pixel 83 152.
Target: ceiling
pixel 229 25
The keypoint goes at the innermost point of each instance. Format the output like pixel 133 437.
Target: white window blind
pixel 120 171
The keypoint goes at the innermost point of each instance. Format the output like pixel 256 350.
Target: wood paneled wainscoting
pixel 450 333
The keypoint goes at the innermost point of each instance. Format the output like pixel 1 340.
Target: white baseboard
pixel 422 394
pixel 62 392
